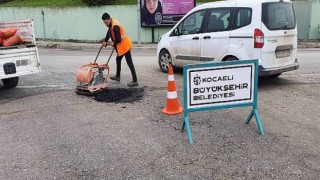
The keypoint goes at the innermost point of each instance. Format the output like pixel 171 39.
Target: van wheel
pixel 231 58
pixel 274 75
pixel 10 82
pixel 164 60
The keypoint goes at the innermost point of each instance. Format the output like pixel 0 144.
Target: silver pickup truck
pixel 19 60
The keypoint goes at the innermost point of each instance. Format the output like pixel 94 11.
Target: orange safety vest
pixel 125 45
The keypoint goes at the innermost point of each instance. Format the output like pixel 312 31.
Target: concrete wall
pixel 315 20
pixel 85 24
pixel 307 14
pixel 79 23
pixel 303 11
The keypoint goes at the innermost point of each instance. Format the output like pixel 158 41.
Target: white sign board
pixel 220 85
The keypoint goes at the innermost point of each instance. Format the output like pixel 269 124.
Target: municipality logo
pixel 197 80
pixel 158 18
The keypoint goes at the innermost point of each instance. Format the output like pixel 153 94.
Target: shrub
pixel 97 2
pixel 4 1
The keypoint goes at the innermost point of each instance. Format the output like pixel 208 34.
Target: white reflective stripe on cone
pixel 170 78
pixel 172 95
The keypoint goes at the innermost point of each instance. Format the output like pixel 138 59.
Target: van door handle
pixel 195 38
pixel 207 37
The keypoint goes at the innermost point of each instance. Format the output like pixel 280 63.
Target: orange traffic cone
pixel 172 97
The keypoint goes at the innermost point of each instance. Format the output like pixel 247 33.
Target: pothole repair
pixel 120 95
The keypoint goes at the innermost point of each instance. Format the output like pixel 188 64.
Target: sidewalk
pixel 80 46
pixel 308 44
pixel 149 47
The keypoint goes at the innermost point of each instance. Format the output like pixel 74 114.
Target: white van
pixel 234 30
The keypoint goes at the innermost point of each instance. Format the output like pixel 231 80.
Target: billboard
pixel 163 12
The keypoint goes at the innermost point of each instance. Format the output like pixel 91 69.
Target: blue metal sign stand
pixel 254 104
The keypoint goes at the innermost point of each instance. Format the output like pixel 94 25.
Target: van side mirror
pixel 177 32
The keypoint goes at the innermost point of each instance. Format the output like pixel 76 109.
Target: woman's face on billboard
pixel 152 5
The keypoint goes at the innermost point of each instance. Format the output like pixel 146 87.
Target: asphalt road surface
pixel 47 131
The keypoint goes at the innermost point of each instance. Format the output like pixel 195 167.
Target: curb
pixel 136 47
pixel 308 45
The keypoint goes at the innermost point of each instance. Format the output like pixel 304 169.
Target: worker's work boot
pixel 132 84
pixel 115 78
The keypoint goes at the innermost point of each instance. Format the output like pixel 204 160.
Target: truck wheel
pixel 164 60
pixel 10 82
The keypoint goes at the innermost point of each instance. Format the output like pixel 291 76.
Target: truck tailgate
pixel 25 61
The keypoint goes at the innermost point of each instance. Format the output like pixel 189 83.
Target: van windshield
pixel 278 16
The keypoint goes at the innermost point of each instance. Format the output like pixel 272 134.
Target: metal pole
pixel 152 33
pixel 139 22
pixel 44 27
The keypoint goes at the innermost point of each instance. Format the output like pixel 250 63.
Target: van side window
pixel 218 20
pixel 243 17
pixel 192 24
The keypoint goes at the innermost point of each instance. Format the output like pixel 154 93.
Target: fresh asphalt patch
pixel 120 95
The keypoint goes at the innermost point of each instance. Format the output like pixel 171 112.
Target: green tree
pixel 97 2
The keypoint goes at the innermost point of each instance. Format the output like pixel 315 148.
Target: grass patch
pixel 51 3
pixel 124 2
pixel 61 3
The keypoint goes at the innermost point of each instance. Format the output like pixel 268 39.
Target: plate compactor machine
pixel 93 77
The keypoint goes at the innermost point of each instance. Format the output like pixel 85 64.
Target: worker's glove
pixel 104 44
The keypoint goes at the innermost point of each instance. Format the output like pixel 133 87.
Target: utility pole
pixel 139 22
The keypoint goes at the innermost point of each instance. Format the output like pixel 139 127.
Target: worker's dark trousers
pixel 130 64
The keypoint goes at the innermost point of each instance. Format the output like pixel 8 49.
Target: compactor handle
pixel 110 56
pixel 98 54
